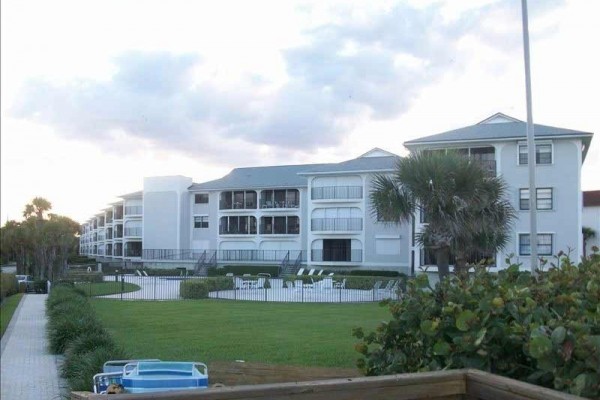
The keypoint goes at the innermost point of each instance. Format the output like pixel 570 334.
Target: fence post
pixel 340 292
pixel 122 285
pixel 154 279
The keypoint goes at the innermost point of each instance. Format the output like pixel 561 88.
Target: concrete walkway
pixel 28 370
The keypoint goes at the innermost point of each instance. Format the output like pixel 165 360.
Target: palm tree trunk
pixel 460 265
pixel 442 256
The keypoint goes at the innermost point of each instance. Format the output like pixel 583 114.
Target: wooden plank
pixel 401 387
pixel 478 382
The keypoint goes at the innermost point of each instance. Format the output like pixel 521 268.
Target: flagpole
pixel 531 160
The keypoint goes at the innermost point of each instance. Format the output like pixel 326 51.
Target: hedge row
pixel 199 288
pixel 239 270
pixel 74 330
pixel 8 285
pixel 353 282
pixel 83 276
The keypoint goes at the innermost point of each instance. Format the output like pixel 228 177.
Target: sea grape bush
pixel 542 329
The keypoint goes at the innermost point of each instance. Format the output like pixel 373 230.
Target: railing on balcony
pixel 337 193
pixel 136 232
pixel 336 255
pixel 336 224
pixel 279 204
pixel 222 255
pixel 133 210
pixel 109 235
pixel 133 252
pixel 489 166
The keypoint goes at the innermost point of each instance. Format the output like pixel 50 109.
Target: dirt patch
pixel 249 373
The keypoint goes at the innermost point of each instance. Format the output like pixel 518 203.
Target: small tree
pixel 466 210
pixel 588 233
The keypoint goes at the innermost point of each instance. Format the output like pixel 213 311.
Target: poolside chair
pixel 340 285
pixel 137 271
pixel 330 274
pixel 145 273
pixel 300 272
pixel 320 273
pixel 229 274
pixel 377 285
pixel 311 272
pixel 389 285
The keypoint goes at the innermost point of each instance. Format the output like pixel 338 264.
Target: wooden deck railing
pixel 442 385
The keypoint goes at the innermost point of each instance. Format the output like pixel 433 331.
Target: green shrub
pixel 74 329
pixel 63 329
pixel 84 276
pixel 380 273
pixel 194 289
pixel 8 285
pixel 544 329
pixel 199 288
pixel 40 286
pixel 79 369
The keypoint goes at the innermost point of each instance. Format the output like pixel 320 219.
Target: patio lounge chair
pixel 377 285
pixel 145 273
pixel 320 273
pixel 300 271
pixel 311 272
pixel 389 285
pixel 340 285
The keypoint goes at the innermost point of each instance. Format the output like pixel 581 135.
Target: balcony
pixel 488 166
pixel 133 210
pixel 337 193
pixel 336 224
pixel 336 255
pixel 133 232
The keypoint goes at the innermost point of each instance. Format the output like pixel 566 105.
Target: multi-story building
pixel 499 143
pixel 319 215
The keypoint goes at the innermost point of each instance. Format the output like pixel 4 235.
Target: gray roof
pixel 258 177
pixel 496 131
pixel 361 164
pixel 139 193
pixel 292 176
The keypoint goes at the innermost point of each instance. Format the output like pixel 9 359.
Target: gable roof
pixel 360 164
pixel 283 176
pixel 500 127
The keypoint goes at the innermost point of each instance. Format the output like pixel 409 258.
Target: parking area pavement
pixel 28 370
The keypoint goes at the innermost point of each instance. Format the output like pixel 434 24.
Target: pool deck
pixel 159 288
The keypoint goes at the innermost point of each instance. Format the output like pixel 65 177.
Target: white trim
pixel 507 139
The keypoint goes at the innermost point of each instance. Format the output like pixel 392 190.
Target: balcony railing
pixel 489 166
pixel 279 204
pixel 133 210
pixel 136 232
pixel 223 255
pixel 336 255
pixel 337 193
pixel 135 252
pixel 336 224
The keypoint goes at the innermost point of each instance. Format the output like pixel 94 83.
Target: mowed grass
pixel 9 305
pixel 221 330
pixel 106 288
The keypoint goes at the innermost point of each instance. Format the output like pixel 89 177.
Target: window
pixel 543 199
pixel 544 244
pixel 201 221
pixel 543 154
pixel 279 225
pixel 201 198
pixel 237 225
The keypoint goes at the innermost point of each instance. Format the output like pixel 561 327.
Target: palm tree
pixel 37 207
pixel 466 210
pixel 588 233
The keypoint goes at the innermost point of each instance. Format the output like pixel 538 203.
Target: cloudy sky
pixel 98 94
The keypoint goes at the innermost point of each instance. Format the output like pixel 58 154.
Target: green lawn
pixel 8 309
pixel 106 288
pixel 221 330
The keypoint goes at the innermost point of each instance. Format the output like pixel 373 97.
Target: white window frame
pixel 203 218
pixel 543 143
pixel 552 241
pixel 537 199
